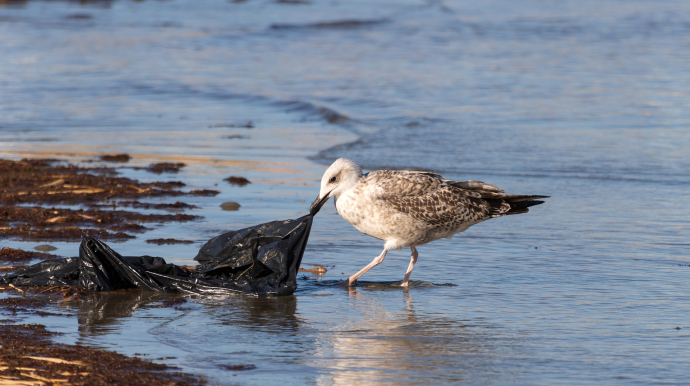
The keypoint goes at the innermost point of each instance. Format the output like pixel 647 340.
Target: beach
pixel 583 101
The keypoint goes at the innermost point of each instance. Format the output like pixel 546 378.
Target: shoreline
pixel 30 356
pixel 277 171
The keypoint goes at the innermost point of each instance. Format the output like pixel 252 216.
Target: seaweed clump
pixel 239 181
pixel 30 357
pixel 33 188
pixel 12 258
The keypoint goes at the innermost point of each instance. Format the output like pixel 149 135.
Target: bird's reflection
pixel 391 343
pixel 369 335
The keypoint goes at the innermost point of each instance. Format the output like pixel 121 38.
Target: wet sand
pixel 28 355
pixel 32 189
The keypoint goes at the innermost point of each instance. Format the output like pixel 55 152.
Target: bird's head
pixel 342 175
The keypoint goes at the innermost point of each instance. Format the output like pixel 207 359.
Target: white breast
pixel 374 218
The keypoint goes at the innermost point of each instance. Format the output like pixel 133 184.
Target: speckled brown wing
pixel 430 198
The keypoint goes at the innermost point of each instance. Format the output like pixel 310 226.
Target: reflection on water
pixel 386 343
pixel 271 314
pixel 100 313
pixel 359 336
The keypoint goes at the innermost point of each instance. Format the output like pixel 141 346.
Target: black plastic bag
pixel 263 259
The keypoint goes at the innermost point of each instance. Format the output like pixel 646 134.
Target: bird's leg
pixel 378 260
pixel 413 260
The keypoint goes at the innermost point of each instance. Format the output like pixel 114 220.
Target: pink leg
pixel 413 260
pixel 378 260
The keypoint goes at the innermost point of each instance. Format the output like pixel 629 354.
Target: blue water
pixel 585 101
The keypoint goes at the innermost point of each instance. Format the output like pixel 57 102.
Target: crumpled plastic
pixel 263 259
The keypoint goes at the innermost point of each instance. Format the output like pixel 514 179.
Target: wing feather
pixel 431 198
pixel 440 202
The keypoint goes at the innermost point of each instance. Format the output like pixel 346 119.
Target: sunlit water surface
pixel 586 101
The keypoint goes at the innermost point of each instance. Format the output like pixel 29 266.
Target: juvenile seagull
pixel 409 208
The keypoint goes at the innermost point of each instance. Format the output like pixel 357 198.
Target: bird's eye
pixel 332 180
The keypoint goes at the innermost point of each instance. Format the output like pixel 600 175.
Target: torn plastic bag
pixel 263 259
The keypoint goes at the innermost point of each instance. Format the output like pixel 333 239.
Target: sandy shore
pixel 28 355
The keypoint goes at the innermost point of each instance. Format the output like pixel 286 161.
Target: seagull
pixel 407 208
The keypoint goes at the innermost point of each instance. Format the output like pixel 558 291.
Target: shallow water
pixel 584 101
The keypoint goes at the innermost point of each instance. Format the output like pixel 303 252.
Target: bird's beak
pixel 318 203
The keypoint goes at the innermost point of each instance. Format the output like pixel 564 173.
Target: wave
pixel 338 24
pixel 327 114
pixel 309 110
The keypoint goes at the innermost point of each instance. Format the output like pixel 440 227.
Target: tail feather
pixel 522 206
pixel 505 204
pixel 520 198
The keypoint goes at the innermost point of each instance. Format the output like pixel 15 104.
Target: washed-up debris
pixel 239 181
pixel 45 248
pixel 32 189
pixel 29 357
pixel 115 157
pixel 40 223
pixel 165 167
pixel 14 255
pixel 263 259
pixel 147 205
pixel 168 241
pixel 21 304
pixel 204 192
pixel 315 271
pixel 13 259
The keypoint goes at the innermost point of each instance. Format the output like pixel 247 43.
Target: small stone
pixel 45 248
pixel 232 206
